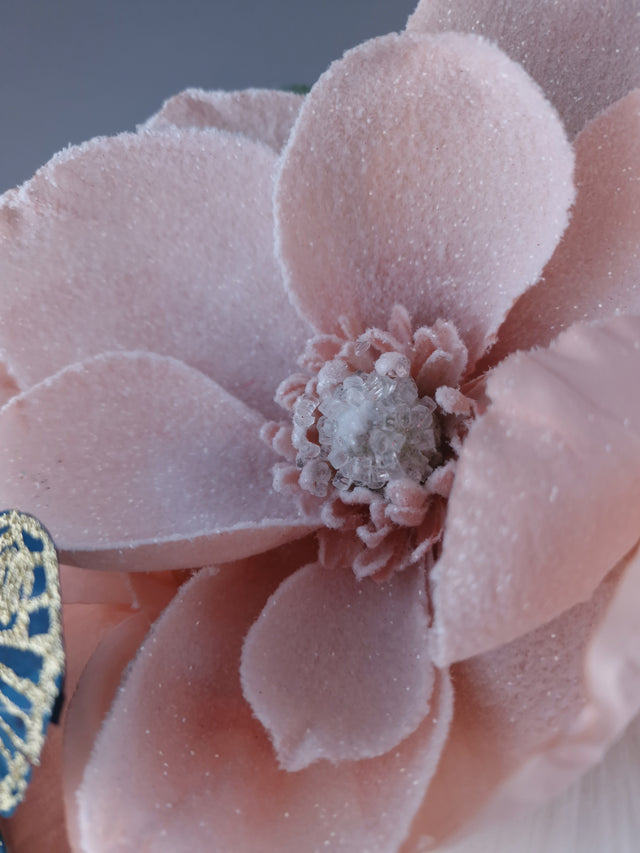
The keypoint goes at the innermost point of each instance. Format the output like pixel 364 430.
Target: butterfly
pixel 31 650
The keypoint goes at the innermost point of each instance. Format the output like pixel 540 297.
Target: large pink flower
pixel 416 604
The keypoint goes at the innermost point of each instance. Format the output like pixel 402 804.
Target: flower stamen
pixel 372 429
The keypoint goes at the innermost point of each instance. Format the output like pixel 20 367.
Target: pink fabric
pixel 523 698
pixel 317 631
pixel 426 182
pixel 584 692
pixel 204 769
pixel 594 272
pixel 129 222
pixel 554 412
pixel 453 217
pixel 164 455
pixel 261 114
pixel 583 54
pixel 90 704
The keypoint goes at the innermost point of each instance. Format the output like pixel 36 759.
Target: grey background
pixel 73 69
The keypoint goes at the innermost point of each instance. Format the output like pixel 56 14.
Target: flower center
pixel 373 428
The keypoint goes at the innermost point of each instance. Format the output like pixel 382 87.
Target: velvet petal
pixel 535 714
pixel 338 668
pixel 266 115
pixel 136 461
pixel 547 495
pixel 599 813
pixel 427 171
pixel 90 704
pixel 594 271
pixel 584 54
pixel 156 241
pixel 182 763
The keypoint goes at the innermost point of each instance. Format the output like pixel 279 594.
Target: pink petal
pixel 534 714
pixel 599 813
pixel 204 775
pixel 594 272
pixel 422 170
pixel 136 461
pixel 584 55
pixel 79 586
pixel 547 497
pixel 300 659
pixel 90 704
pixel 265 115
pixel 161 242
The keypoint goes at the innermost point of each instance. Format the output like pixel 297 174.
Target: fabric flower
pixel 415 604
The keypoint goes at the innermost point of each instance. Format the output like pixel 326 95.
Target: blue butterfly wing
pixel 31 649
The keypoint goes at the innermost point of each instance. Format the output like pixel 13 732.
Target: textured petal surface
pixel 427 171
pixel 547 496
pixel 205 776
pixel 585 54
pixel 133 456
pixel 594 271
pixel 338 668
pixel 533 715
pixel 599 813
pixel 498 711
pixel 90 704
pixel 161 242
pixel 265 115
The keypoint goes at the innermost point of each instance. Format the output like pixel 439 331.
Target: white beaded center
pixel 372 429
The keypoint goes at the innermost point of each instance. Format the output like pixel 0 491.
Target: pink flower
pixel 418 587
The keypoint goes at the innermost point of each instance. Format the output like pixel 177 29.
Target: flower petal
pixel 546 498
pixel 584 55
pixel 205 777
pixel 427 171
pixel 90 704
pixel 136 461
pixel 300 660
pixel 79 586
pixel 161 242
pixel 535 714
pixel 594 271
pixel 265 115
pixel 599 813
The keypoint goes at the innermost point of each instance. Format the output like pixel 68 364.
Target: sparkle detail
pixel 377 419
pixel 373 428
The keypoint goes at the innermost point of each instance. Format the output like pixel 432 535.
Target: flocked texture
pixel 594 271
pixel 585 54
pixel 573 407
pixel 453 216
pixel 90 704
pixel 338 668
pixel 265 115
pixel 172 472
pixel 203 767
pixel 534 714
pixel 600 812
pixel 129 221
